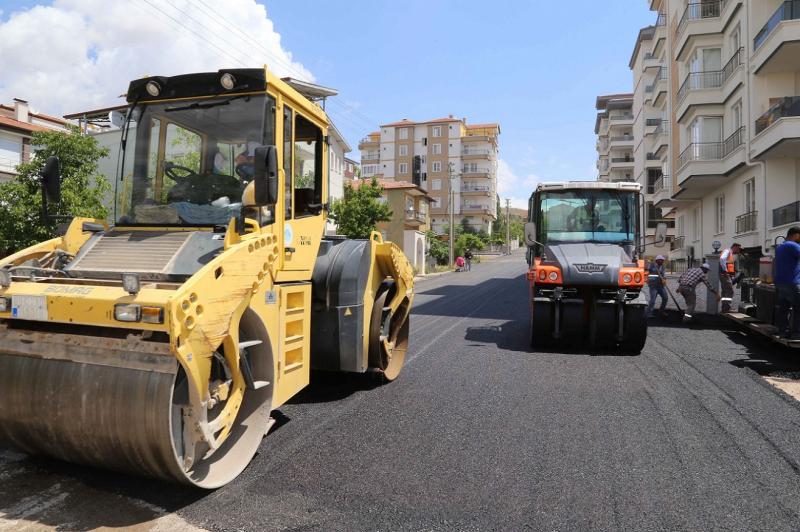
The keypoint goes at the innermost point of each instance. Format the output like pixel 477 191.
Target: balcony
pixel 415 217
pixel 777 46
pixel 705 166
pixel 693 90
pixel 602 165
pixel 370 157
pixel 660 137
pixel 702 17
pixel 678 243
pixel 476 171
pixel 662 191
pixel 477 152
pixel 621 162
pixel 373 139
pixel 476 209
pixel 778 130
pixel 477 190
pixel 620 141
pixel 788 214
pixel 698 11
pixel 621 119
pixel 747 223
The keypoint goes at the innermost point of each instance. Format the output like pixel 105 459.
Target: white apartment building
pixel 17 124
pixel 614 129
pixel 731 147
pixel 440 155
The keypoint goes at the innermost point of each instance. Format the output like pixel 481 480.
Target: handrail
pixel 697 11
pixel 711 79
pixel 746 222
pixel 711 151
pixel 789 10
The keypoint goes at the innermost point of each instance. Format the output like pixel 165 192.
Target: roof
pixel 336 133
pixel 391 185
pixel 312 91
pixel 38 115
pixel 603 185
pixel 621 98
pixel 23 126
pixel 403 122
pixel 95 113
pixel 645 34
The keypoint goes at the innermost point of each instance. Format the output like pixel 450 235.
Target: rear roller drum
pixel 388 337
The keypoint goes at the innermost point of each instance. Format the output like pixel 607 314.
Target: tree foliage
pixel 467 241
pixel 359 212
pixel 83 189
pixel 437 248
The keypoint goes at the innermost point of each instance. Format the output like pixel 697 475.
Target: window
pixel 736 40
pixel 287 158
pixel 471 168
pixel 736 115
pixel 679 228
pixel 403 168
pixel 402 150
pixel 719 214
pixel 307 167
pixel 436 203
pixel 10 151
pixel 436 166
pixel 437 131
pixel 402 133
pixel 750 195
pixel 437 149
pixel 369 170
pixel 436 184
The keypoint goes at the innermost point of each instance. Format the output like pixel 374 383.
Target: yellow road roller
pixel 159 344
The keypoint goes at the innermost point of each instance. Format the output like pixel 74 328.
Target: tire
pixel 541 326
pixel 387 353
pixel 635 330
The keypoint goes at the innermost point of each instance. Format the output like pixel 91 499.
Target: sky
pixel 535 67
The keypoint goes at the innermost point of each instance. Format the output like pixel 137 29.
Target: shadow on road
pixel 326 387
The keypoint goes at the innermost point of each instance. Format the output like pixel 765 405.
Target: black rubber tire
pixel 541 326
pixel 635 331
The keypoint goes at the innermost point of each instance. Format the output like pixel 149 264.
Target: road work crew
pixel 687 284
pixel 787 280
pixel 656 282
pixel 727 272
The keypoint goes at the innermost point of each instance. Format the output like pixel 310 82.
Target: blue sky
pixel 535 67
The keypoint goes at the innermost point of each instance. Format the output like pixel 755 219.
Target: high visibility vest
pixel 730 264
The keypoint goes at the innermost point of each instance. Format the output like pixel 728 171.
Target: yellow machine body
pixel 170 396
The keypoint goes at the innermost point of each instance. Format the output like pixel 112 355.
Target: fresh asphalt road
pixel 480 433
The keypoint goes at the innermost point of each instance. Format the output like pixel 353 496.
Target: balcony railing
pixel 677 243
pixel 786 11
pixel 366 140
pixel 622 159
pixel 662 127
pixel 698 11
pixel 653 157
pixel 622 138
pixel 652 122
pixel 712 79
pixel 476 151
pixel 787 214
pixel 621 116
pixel 746 222
pixel 711 151
pixel 474 208
pixel 371 156
pixel 416 216
pixel 788 106
pixel 661 20
pixel 475 170
pixel 660 185
pixel 476 188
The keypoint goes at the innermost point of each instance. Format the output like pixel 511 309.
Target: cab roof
pixel 590 185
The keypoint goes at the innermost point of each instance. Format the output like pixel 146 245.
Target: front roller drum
pixel 127 417
pixel 388 338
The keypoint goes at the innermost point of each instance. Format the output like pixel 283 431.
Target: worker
pixel 657 283
pixel 787 281
pixel 727 272
pixel 687 284
pixel 468 259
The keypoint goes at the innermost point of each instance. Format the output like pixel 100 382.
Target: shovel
pixel 673 298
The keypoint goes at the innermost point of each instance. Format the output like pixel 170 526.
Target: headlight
pixel 637 277
pixel 627 278
pixel 542 275
pixel 153 88
pixel 5 304
pixel 227 81
pixel 152 315
pixel 126 312
pixel 553 276
pixel 130 283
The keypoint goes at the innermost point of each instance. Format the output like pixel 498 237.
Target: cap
pixel 705 266
pixel 660 257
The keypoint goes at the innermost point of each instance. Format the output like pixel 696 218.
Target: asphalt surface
pixel 480 433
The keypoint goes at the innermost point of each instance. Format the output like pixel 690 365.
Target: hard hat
pixel 705 266
pixel 660 257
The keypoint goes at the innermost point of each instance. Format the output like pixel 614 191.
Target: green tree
pixel 83 189
pixel 467 241
pixel 437 248
pixel 360 210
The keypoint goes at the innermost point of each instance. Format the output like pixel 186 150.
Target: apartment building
pixel 17 124
pixel 614 130
pixel 450 159
pixel 649 64
pixel 729 146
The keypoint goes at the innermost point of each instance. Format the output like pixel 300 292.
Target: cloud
pixel 512 186
pixel 75 55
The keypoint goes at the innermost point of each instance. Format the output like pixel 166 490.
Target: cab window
pixel 307 167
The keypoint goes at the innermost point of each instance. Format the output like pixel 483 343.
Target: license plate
pixel 29 307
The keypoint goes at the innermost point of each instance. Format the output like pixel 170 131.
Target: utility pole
pixel 450 207
pixel 508 228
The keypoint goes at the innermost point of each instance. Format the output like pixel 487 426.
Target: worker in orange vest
pixel 727 272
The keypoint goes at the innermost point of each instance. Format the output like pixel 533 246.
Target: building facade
pixel 455 162
pixel 729 139
pixel 614 130
pixel 17 124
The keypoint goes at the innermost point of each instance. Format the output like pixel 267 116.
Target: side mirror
pixel 660 237
pixel 51 179
pixel 116 118
pixel 530 234
pixel 265 179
